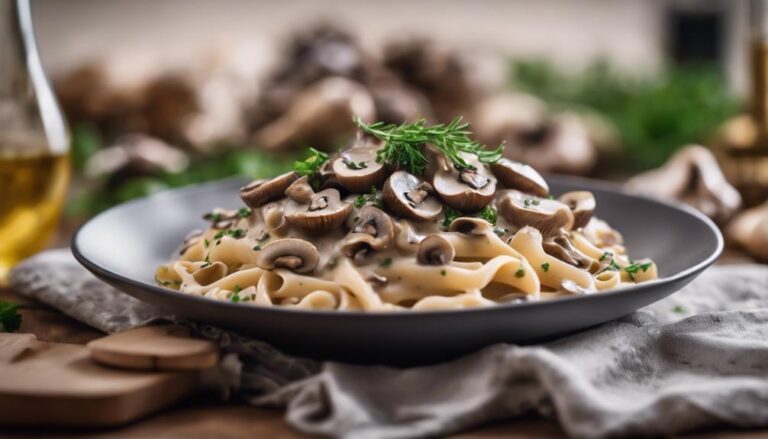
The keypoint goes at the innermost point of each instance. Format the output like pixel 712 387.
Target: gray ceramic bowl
pixel 124 245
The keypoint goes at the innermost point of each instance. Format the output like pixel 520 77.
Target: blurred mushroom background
pixel 603 90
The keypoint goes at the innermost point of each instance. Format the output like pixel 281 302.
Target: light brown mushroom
pixel 300 190
pixel 293 254
pixel 582 204
pixel 356 169
pixel 470 226
pixel 274 219
pixel 467 190
pixel 516 175
pixel 550 217
pixel 749 230
pixel 210 273
pixel 410 197
pixel 562 248
pixel 435 250
pixel 324 212
pixel 693 177
pixel 373 231
pixel 261 192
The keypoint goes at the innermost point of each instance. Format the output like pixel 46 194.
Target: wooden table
pixel 201 418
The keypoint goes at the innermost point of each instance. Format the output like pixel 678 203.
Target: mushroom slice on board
pixel 467 190
pixel 550 217
pixel 410 197
pixel 693 177
pixel 261 192
pixel 750 231
pixel 582 204
pixel 210 273
pixel 356 169
pixel 516 175
pixel 324 212
pixel 293 254
pixel 435 250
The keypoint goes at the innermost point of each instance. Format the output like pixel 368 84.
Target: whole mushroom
pixel 468 189
pixel 410 197
pixel 582 204
pixel 293 254
pixel 550 217
pixel 261 192
pixel 516 175
pixel 324 211
pixel 356 169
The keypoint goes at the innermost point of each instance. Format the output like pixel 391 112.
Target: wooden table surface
pixel 202 418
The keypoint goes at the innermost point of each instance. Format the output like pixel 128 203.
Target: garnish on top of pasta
pixel 406 217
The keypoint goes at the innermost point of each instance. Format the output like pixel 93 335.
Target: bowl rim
pixel 100 271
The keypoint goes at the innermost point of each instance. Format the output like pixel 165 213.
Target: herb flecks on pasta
pixel 406 217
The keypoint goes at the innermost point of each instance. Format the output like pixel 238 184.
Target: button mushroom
pixel 435 250
pixel 373 231
pixel 693 177
pixel 467 190
pixel 470 226
pixel 210 273
pixel 293 254
pixel 356 169
pixel 562 248
pixel 410 197
pixel 516 175
pixel 324 212
pixel 582 204
pixel 548 216
pixel 300 191
pixel 260 192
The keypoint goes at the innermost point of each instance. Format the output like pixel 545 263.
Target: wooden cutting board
pixel 58 384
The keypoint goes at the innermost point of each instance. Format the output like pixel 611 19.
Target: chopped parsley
pixel 369 198
pixel 489 214
pixel 530 201
pixel 678 309
pixel 311 164
pixel 256 247
pixel 606 255
pixel 385 263
pixel 244 212
pixel 450 215
pixel 235 294
pixel 207 242
pixel 10 319
pixel 635 267
pixel 237 289
pixel 443 272
pixel 235 233
pixel 545 266
pixel 352 165
pixel 520 272
pixel 213 217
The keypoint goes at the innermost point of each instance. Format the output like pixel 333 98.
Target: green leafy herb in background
pixel 654 115
pixel 10 319
pixel 403 143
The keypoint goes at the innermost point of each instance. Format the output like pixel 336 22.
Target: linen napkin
pixel 694 360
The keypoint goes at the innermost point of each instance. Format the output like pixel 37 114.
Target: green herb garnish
pixel 606 255
pixel 213 217
pixel 10 319
pixel 489 214
pixel 443 272
pixel 207 242
pixel 520 272
pixel 678 309
pixel 634 268
pixel 545 266
pixel 403 144
pixel 310 165
pixel 450 215
pixel 369 198
pixel 256 247
pixel 385 263
pixel 244 212
pixel 354 166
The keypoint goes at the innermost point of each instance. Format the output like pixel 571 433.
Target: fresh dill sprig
pixel 403 144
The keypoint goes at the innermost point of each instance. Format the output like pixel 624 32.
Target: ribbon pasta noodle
pixel 355 234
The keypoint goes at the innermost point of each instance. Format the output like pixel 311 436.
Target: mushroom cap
pixel 293 254
pixel 467 190
pixel 409 197
pixel 562 248
pixel 260 192
pixel 374 230
pixel 324 212
pixel 435 250
pixel 211 273
pixel 516 175
pixel 582 204
pixel 300 190
pixel 548 216
pixel 470 226
pixel 356 169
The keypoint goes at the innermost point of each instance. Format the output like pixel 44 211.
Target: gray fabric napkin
pixel 695 360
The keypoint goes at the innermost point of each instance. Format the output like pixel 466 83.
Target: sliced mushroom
pixel 373 231
pixel 582 204
pixel 300 190
pixel 356 169
pixel 324 212
pixel 209 274
pixel 470 226
pixel 293 254
pixel 191 239
pixel 562 248
pixel 410 197
pixel 693 177
pixel 260 192
pixel 274 219
pixel 467 190
pixel 516 175
pixel 435 250
pixel 550 217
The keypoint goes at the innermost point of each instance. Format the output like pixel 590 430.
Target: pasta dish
pixel 406 217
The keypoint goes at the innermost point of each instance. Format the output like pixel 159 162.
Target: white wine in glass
pixel 34 142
